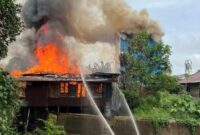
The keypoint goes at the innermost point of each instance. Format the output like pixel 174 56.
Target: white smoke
pixel 89 54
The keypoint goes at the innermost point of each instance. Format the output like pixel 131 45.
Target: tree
pixel 163 82
pixel 9 103
pixel 10 27
pixel 10 24
pixel 146 64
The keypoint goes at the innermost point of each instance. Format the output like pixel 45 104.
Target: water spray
pixel 94 104
pixel 128 109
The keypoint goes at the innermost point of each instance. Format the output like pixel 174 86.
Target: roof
pixel 95 77
pixel 194 78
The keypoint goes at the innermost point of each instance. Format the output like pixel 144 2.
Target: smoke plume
pixel 90 20
pixel 89 28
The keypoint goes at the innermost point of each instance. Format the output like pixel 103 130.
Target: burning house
pixel 53 76
pixel 67 91
pixel 65 39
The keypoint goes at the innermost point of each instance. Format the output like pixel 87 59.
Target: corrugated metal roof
pixel 194 78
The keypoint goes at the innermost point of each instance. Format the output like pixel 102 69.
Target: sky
pixel 180 21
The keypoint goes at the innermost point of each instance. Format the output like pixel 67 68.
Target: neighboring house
pixel 192 84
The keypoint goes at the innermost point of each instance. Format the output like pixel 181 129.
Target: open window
pixel 72 89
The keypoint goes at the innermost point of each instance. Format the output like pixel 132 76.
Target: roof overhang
pixel 95 77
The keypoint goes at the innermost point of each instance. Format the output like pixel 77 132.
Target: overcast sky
pixel 180 22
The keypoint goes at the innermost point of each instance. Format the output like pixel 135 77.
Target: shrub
pixel 164 106
pixel 181 105
pixel 132 97
pixel 50 127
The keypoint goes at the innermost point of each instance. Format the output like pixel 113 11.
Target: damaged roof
pixel 95 77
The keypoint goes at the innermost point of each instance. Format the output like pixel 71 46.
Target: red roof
pixel 194 78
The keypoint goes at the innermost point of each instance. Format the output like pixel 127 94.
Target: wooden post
pixel 27 120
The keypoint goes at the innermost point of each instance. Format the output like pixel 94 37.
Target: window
pixel 97 89
pixel 72 89
pixel 64 88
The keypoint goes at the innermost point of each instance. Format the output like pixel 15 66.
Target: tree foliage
pixel 10 24
pixel 9 103
pixel 163 82
pixel 146 64
pixel 10 27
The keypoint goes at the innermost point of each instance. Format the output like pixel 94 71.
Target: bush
pixel 165 106
pixel 132 97
pixel 156 83
pixel 148 109
pixel 180 106
pixel 50 127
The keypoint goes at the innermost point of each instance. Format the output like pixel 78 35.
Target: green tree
pixel 10 27
pixel 163 82
pixel 146 65
pixel 10 24
pixel 9 103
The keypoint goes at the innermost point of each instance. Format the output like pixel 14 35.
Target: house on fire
pixel 66 92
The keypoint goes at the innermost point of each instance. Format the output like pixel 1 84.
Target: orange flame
pixel 51 59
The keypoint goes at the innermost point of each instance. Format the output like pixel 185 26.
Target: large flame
pixel 51 58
